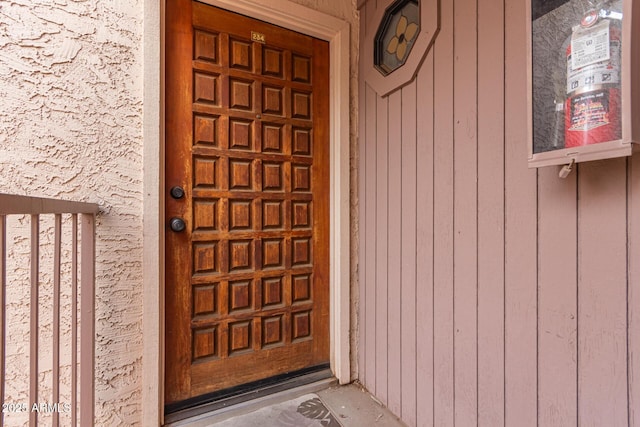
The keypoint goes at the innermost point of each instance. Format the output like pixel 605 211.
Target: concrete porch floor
pixel 321 404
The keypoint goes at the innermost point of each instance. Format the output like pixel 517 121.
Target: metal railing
pixel 82 289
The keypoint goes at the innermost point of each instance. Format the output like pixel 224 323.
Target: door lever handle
pixel 177 224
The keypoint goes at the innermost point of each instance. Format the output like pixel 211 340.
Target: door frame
pixel 298 18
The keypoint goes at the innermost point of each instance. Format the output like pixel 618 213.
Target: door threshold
pixel 248 398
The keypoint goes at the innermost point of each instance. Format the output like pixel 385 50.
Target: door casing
pixel 291 16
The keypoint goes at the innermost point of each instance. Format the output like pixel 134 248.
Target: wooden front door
pixel 247 280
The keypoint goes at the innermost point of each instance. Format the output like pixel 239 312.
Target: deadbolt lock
pixel 177 224
pixel 177 192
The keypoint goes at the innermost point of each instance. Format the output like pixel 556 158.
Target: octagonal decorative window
pixel 396 35
pixel 400 33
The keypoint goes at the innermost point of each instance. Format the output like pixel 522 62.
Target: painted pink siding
pixel 491 294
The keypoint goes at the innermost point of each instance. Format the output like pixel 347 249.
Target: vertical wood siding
pixel 633 292
pixel 491 294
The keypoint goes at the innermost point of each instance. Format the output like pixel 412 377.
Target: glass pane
pixel 576 73
pixel 397 33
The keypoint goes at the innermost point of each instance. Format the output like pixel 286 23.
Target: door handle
pixel 177 224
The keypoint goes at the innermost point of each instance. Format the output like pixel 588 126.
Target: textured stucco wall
pixel 71 78
pixel 70 127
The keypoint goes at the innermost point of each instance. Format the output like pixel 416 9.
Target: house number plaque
pixel 257 37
